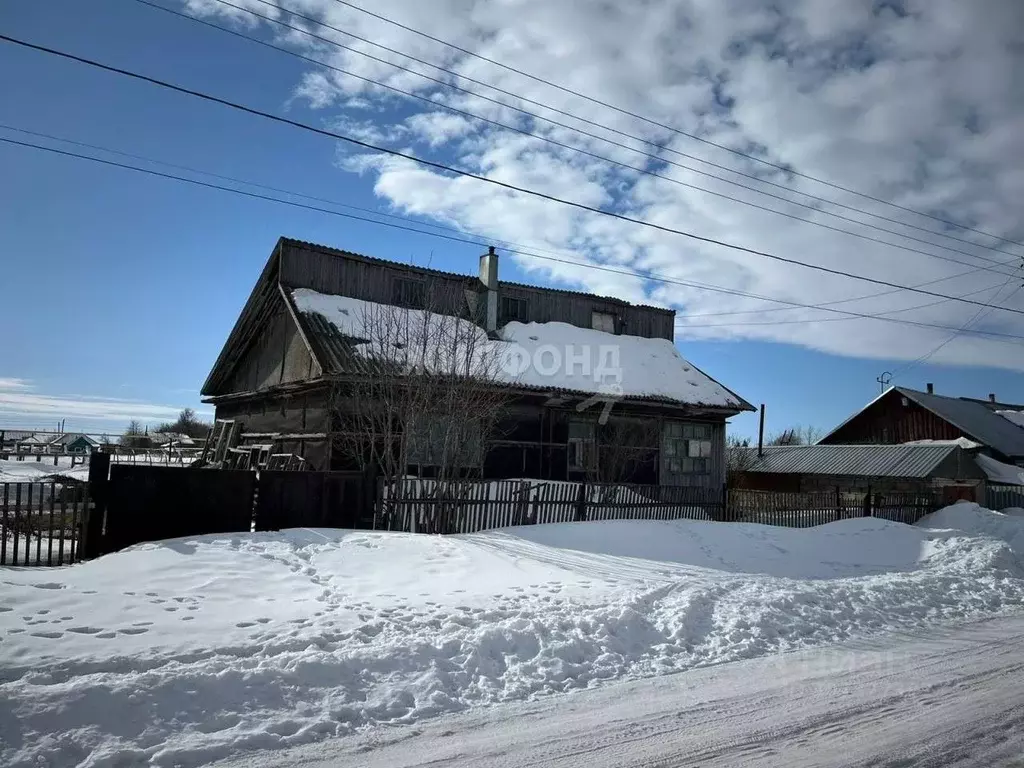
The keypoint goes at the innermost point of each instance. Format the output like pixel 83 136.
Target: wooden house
pixel 903 415
pixel 294 339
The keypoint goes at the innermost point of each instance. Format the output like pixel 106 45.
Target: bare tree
pixel 795 436
pixel 425 394
pixel 135 436
pixel 739 454
pixel 624 447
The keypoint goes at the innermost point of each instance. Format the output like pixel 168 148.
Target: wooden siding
pixel 545 306
pixel 888 422
pixel 369 280
pixel 276 356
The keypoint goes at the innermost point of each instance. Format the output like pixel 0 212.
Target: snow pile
pixel 182 652
pixel 975 520
pixel 549 355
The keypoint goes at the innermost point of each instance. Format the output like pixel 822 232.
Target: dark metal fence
pixel 42 523
pixel 289 499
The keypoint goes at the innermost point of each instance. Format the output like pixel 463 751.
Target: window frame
pixel 581 450
pixel 522 315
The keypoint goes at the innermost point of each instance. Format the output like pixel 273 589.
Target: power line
pixel 521 252
pixel 838 301
pixel 977 317
pixel 485 238
pixel 477 177
pixel 587 153
pixel 784 168
pixel 829 319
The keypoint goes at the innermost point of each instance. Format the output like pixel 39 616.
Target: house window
pixel 406 292
pixel 602 321
pixel 515 309
pixel 582 447
pixel 687 448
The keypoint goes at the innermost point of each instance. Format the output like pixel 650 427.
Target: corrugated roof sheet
pixel 974 418
pixel 857 460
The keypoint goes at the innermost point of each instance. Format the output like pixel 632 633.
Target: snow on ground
pixel 190 650
pixel 29 470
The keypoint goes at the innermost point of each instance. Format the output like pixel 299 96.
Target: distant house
pixel 946 467
pixel 73 443
pixel 297 336
pixel 902 415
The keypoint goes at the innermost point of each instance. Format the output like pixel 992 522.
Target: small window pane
pixel 602 321
pixel 693 448
pixel 689 431
pixel 705 448
pixel 581 429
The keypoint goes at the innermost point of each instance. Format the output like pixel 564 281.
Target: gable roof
pixel 907 460
pixel 646 369
pixel 331 352
pixel 972 417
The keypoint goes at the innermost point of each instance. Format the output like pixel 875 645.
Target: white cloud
pixel 918 102
pixel 21 403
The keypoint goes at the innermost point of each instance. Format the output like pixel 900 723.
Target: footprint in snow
pixel 48 585
pixel 84 630
pixel 131 631
pixel 5 609
pixel 48 635
pixel 188 618
pixel 107 635
pixel 244 624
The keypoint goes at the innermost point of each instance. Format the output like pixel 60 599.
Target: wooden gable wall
pixel 277 355
pixel 888 421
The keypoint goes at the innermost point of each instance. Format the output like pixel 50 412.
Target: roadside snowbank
pixel 181 652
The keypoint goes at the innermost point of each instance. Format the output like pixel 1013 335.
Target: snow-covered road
pixel 183 652
pixel 946 698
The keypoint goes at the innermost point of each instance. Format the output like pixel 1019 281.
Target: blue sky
pixel 120 289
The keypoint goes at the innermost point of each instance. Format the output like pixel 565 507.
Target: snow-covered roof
pixel 998 472
pixel 1017 417
pixel 546 356
pixel 963 442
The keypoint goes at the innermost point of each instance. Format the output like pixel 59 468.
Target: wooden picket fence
pixel 42 523
pixel 467 506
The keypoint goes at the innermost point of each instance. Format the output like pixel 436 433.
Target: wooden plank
pixel 63 528
pixel 17 522
pixel 28 523
pixel 49 543
pixel 6 522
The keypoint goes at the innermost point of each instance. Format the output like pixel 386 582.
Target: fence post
pixel 581 502
pixel 839 504
pixel 90 544
pixel 867 503
pixel 725 514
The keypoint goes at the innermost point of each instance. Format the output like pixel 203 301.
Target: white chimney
pixel 489 277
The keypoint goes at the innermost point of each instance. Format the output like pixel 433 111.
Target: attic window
pixel 602 321
pixel 408 293
pixel 515 310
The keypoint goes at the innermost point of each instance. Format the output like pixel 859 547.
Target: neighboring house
pixel 74 443
pixel 948 466
pixel 33 443
pixel 902 415
pixel 296 337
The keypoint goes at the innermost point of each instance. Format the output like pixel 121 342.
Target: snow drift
pixel 181 652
